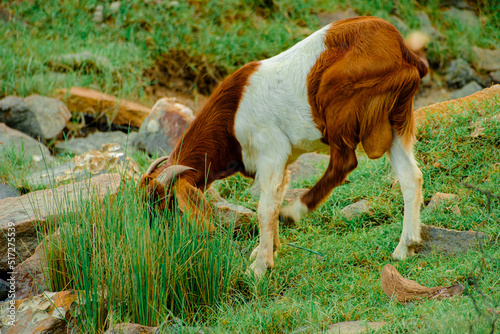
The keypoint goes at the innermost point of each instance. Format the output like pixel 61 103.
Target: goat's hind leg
pixel 410 179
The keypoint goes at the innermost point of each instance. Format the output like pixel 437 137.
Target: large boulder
pixel 91 102
pixel 485 59
pixel 20 142
pixel 38 116
pixel 19 216
pixel 164 127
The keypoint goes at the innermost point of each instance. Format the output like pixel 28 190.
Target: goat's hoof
pixel 403 251
pixel 258 268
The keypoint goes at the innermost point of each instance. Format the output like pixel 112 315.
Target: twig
pixel 306 249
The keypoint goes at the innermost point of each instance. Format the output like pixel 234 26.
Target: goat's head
pixel 167 188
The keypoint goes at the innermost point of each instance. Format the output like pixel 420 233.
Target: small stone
pixel 459 73
pixel 440 199
pixel 456 210
pixel 327 18
pixel 357 209
pixel 469 89
pixel 495 76
pixel 354 327
pixel 99 14
pixel 485 59
pixel 82 61
pixel 114 7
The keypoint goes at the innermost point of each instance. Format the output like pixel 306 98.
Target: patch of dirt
pixel 184 76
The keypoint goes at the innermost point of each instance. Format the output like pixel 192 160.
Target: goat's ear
pixel 193 204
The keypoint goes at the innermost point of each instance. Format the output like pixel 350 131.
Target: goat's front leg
pixel 273 184
pixel 410 178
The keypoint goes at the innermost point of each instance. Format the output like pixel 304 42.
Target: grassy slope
pixel 224 33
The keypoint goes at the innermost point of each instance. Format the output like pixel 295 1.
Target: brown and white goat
pixel 351 82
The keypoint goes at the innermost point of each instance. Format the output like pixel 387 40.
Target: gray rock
pixel 94 141
pixel 459 73
pixel 427 27
pixel 440 199
pixel 484 59
pixel 19 215
pixel 469 89
pixel 99 14
pixel 164 127
pixel 346 327
pixel 326 18
pixel 114 7
pixel 30 280
pixel 441 240
pixel 357 209
pixel 14 139
pixel 495 76
pixel 467 17
pixel 38 116
pixel 82 61
pixel 8 191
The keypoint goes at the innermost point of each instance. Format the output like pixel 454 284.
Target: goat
pixel 352 82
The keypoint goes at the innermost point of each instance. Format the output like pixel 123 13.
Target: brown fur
pixel 209 146
pixel 361 88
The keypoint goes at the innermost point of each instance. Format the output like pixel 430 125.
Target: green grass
pixel 153 271
pixel 218 35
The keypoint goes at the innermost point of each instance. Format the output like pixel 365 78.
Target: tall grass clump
pixel 134 265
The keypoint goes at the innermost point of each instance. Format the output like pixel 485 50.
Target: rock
pixel 443 110
pixel 449 242
pixel 94 162
pixel 14 139
pixel 164 127
pixel 91 102
pixel 306 166
pixel 38 116
pixel 357 209
pixel 459 73
pixel 98 14
pixel 29 276
pixel 82 61
pixel 440 199
pixel 469 89
pixel 48 313
pixel 495 76
pixel 114 7
pixel 427 27
pixel 8 191
pixel 94 141
pixel 484 59
pixel 326 18
pixel 22 214
pixel 404 290
pixel 228 213
pixel 4 289
pixel 128 328
pixel 463 16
